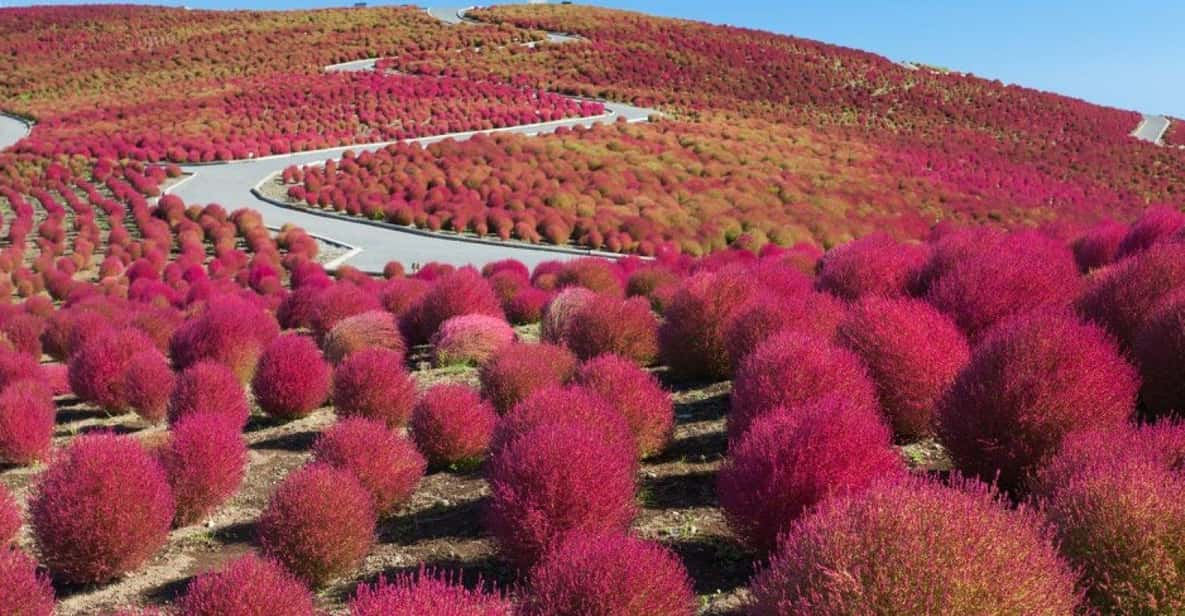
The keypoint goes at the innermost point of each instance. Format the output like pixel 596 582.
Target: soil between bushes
pixel 441 526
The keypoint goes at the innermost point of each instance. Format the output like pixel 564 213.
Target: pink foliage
pixel 608 324
pixel 459 293
pixel 230 331
pixel 872 265
pixel 247 585
pixel 765 315
pixel 204 460
pixel 516 370
pixel 1159 350
pixel 637 395
pixel 209 387
pixel 371 329
pixel 292 379
pixel 426 593
pixel 452 425
pixel 385 463
pixel 1122 297
pixel 26 422
pixel 24 591
pixel 691 339
pixel 567 405
pixel 469 339
pixel 373 383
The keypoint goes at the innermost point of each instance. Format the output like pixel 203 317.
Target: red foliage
pixel 597 275
pixel 101 509
pixel 791 369
pixel 400 294
pixel 319 523
pixel 470 339
pixel 372 383
pixel 426 593
pixel 557 479
pixel 691 339
pixel 792 459
pixel 637 395
pixel 909 539
pixel 872 265
pixel 292 379
pixel 101 370
pixel 16 366
pixel 566 405
pixel 609 575
pixel 1156 224
pixel 371 329
pixel 1159 350
pixel 26 422
pixel 461 292
pixel 333 304
pixel 1032 381
pixel 385 463
pixel 517 370
pixel 24 331
pixel 149 384
pixel 608 324
pixel 1099 245
pixel 10 517
pixel 527 305
pixel 452 425
pixel 209 387
pixel 230 331
pixel 1122 297
pixel 557 314
pixel 247 585
pixel 24 591
pixel 765 315
pixel 204 461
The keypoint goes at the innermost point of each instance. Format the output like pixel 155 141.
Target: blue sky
pixel 1129 55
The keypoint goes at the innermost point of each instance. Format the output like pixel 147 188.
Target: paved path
pixel 1152 129
pixel 12 130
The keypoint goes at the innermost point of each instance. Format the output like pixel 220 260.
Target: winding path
pixel 232 184
pixel 12 130
pixel 1152 129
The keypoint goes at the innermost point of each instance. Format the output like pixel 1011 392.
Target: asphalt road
pixel 1152 128
pixel 12 130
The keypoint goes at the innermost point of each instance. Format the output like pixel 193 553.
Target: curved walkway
pixel 233 185
pixel 1152 129
pixel 12 130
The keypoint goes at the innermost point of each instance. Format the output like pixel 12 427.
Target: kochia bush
pixel 149 384
pixel 373 383
pixel 101 368
pixel 568 405
pixel 511 374
pixel 461 292
pixel 386 463
pixel 557 314
pixel 292 379
pixel 204 461
pixel 469 339
pixel 873 265
pixel 10 517
pixel 26 422
pixel 209 387
pixel 247 585
pixel 607 324
pixel 426 593
pixel 1099 245
pixel 24 591
pixel 636 395
pixel 1159 350
pixel 374 328
pixel 765 315
pixel 691 339
pixel 1123 297
pixel 230 331
pixel 452 425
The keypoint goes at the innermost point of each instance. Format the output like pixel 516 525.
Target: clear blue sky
pixel 1125 54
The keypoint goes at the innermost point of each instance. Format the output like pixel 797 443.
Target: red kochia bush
pixel 101 509
pixel 511 374
pixel 637 395
pixel 26 422
pixel 23 590
pixel 609 575
pixel 790 369
pixel 10 517
pixel 231 331
pixel 16 366
pixel 247 586
pixel 469 339
pixel 557 314
pixel 1159 350
pixel 1122 297
pixel 792 459
pixel 606 324
pixel 556 479
pixel 149 384
pixel 1099 245
pixel 386 463
pixel 426 593
pixel 373 383
pixel 570 405
pixel 916 548
pixel 913 353
pixel 597 275
pixel 691 340
pixel 100 370
pixel 337 302
pixel 1030 382
pixel 1157 223
pixel 872 265
pixel 292 379
pixel 461 292
pixel 209 387
pixel 204 461
pixel 765 315
pixel 452 425
pixel 319 523
pixel 375 328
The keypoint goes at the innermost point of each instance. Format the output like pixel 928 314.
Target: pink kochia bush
pixel 461 292
pixel 691 339
pixel 26 422
pixel 1099 245
pixel 246 586
pixel 426 593
pixel 292 379
pixel 149 384
pixel 913 353
pixel 212 388
pixel 24 591
pixel 1156 224
pixel 374 328
pixel 1117 500
pixel 386 463
pixel 607 324
pixel 1159 350
pixel 319 523
pixel 569 405
pixel 372 383
pixel 231 331
pixel 101 509
pixel 916 548
pixel 452 425
pixel 609 575
pixel 1032 381
pixel 790 369
pixel 338 302
pixel 10 517
pixel 792 459
pixel 1123 297
pixel 636 395
pixel 766 314
pixel 557 314
pixel 469 339
pixel 102 371
pixel 556 479
pixel 204 461
pixel 511 374
pixel 872 265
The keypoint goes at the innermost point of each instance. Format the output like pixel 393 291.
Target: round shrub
pixel 556 479
pixel 372 383
pixel 149 384
pixel 1156 224
pixel 526 306
pixel 204 461
pixel 26 422
pixel 790 460
pixel 24 331
pixel 209 387
pixel 1159 350
pixel 572 404
pixel 296 309
pixel 426 593
pixel 400 294
pixel 691 339
pixel 791 369
pixel 637 396
pixel 101 367
pixel 461 292
pixel 1099 245
pixel 101 509
pixel 247 586
pixel 16 366
pixel 558 313
pixel 610 575
pixel 765 315
pixel 292 379
pixel 374 328
pixel 516 370
pixel 913 354
pixel 1122 297
pixel 386 463
pixel 597 275
pixel 10 517
pixel 606 324
pixel 319 523
pixel 916 547
pixel 872 265
pixel 452 425
pixel 23 590
pixel 231 331
pixel 469 339
pixel 337 302
pixel 1029 383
